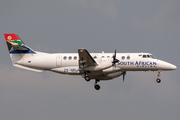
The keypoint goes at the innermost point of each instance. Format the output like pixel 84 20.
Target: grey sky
pixel 97 25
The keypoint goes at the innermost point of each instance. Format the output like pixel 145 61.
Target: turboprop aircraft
pixel 97 66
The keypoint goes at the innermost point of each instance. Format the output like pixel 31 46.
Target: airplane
pixel 97 66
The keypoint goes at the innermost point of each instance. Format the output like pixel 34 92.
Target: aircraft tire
pixel 87 78
pixel 158 80
pixel 96 86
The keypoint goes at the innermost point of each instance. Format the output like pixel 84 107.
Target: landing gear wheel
pixel 158 80
pixel 87 78
pixel 96 86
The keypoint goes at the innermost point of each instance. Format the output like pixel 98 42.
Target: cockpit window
pixel 152 57
pixel 144 56
pixel 149 56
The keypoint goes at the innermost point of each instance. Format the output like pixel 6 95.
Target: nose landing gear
pixel 96 86
pixel 158 80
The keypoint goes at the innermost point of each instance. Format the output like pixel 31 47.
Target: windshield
pixel 152 56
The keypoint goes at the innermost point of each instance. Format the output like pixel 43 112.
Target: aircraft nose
pixel 172 67
pixel 165 65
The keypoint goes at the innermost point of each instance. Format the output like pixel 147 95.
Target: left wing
pixel 85 59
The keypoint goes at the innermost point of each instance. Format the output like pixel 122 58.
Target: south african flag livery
pixel 16 45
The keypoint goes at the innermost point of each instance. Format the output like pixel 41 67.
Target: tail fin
pixel 18 50
pixel 16 45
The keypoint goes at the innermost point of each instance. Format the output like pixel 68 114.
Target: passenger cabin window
pixel 70 57
pixel 95 57
pixel 108 56
pixel 65 58
pixel 122 57
pixel 102 56
pixel 75 57
pixel 128 57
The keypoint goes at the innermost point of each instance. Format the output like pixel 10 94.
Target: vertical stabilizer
pixel 17 48
pixel 16 45
pixel 19 51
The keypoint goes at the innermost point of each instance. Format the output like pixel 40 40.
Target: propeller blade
pixel 115 55
pixel 114 59
pixel 124 73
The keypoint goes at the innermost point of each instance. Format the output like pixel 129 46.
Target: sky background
pixel 97 25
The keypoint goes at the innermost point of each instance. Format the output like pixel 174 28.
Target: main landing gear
pixel 86 77
pixel 158 80
pixel 96 86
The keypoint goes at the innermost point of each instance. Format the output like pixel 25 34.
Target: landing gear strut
pixel 158 80
pixel 96 86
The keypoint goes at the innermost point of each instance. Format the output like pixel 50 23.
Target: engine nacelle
pixel 112 69
pixel 108 76
pixel 101 66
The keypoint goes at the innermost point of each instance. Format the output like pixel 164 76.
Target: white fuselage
pixel 67 63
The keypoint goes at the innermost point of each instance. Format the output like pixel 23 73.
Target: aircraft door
pixel 58 61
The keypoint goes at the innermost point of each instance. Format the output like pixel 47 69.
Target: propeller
pixel 114 59
pixel 124 74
